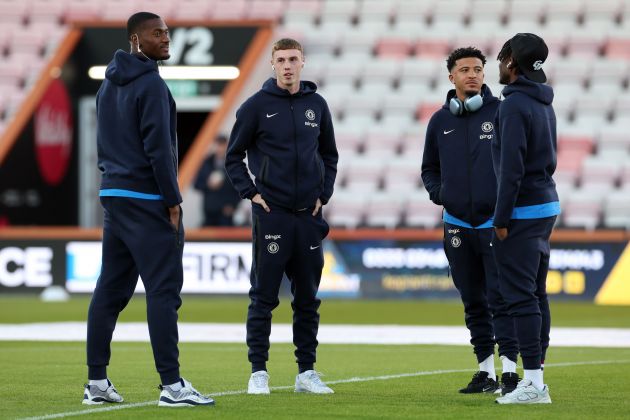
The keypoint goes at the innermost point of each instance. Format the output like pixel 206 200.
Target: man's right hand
pixel 174 216
pixel 259 200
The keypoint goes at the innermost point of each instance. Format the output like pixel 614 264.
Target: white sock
pixel 177 386
pixel 536 376
pixel 488 366
pixel 102 384
pixel 508 365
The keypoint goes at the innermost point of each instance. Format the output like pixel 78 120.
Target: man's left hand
pixel 318 205
pixel 501 233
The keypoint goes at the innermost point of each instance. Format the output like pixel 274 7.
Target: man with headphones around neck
pixel 457 173
pixel 286 132
pixel 524 158
pixel 143 233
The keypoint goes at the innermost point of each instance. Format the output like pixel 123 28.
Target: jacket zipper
pixel 295 142
pixel 469 159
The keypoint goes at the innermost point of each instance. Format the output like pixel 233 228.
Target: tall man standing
pixel 286 131
pixel 457 173
pixel 143 232
pixel 524 158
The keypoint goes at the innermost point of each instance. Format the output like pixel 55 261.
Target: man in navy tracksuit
pixel 524 158
pixel 457 173
pixel 143 232
pixel 287 134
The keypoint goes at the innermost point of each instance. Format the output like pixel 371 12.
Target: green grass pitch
pixel 43 379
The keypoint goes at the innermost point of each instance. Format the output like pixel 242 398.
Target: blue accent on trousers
pixel 138 239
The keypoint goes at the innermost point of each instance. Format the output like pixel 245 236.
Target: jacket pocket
pixel 322 170
pixel 264 169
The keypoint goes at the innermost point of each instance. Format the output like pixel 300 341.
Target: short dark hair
pixel 286 44
pixel 135 21
pixel 506 53
pixel 464 52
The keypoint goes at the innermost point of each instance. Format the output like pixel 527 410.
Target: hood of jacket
pixel 271 86
pixel 538 91
pixel 125 68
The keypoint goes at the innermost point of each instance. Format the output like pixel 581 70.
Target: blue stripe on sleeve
pixel 129 194
pixel 537 211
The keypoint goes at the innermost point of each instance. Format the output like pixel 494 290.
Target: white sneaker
pixel 185 397
pixel 309 381
pixel 93 395
pixel 526 393
pixel 258 383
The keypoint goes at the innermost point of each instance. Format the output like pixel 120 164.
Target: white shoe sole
pixel 251 392
pixel 88 402
pixel 181 404
pixel 541 401
pixel 306 391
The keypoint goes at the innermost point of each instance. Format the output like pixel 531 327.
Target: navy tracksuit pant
pixel 523 261
pixel 138 238
pixel 285 242
pixel 475 275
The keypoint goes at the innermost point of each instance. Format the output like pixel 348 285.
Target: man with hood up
pixel 143 232
pixel 286 132
pixel 457 173
pixel 524 160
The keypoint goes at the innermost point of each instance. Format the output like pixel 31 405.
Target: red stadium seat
pixel 437 48
pixel 618 48
pixel 393 47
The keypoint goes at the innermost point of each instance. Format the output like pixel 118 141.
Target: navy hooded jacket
pixel 457 162
pixel 524 153
pixel 290 146
pixel 137 142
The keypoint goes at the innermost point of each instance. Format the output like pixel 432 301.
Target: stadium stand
pixel 381 66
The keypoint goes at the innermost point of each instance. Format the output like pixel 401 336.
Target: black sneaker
pixel 509 380
pixel 480 383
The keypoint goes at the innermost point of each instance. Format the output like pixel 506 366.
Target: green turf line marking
pixel 339 381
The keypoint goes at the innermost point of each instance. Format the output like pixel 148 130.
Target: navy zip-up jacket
pixel 457 162
pixel 524 153
pixel 136 134
pixel 290 146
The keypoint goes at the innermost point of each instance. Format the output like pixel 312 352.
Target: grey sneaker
pixel 185 397
pixel 310 381
pixel 526 393
pixel 258 383
pixel 93 395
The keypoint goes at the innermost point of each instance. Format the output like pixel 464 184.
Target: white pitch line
pixel 328 334
pixel 339 381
